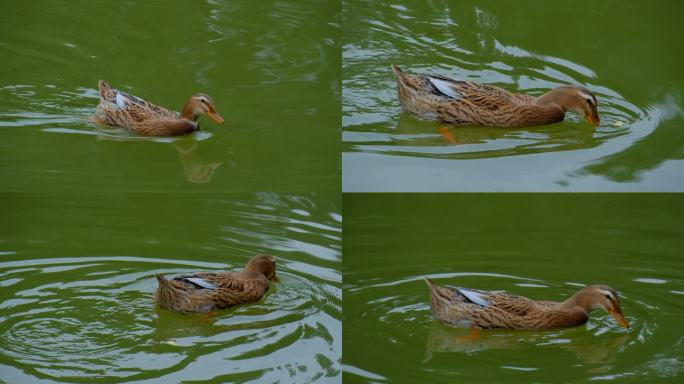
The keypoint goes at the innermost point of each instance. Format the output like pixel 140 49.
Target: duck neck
pixel 554 98
pixel 574 311
pixel 189 111
pixel 578 302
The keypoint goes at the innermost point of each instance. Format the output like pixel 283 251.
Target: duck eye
pixel 607 297
pixel 589 102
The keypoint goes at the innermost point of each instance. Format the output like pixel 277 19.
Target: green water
pixel 623 51
pixel 540 246
pixel 77 280
pixel 272 67
pixel 90 214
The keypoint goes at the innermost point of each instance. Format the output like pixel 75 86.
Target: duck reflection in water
pixel 546 138
pixel 196 168
pixel 445 339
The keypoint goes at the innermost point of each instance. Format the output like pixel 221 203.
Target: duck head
pixel 201 104
pixel 264 265
pixel 573 98
pixel 601 297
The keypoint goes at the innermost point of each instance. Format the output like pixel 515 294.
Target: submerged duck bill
pixel 620 318
pixel 593 120
pixel 216 117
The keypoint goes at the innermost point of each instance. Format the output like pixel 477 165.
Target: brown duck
pixel 468 103
pixel 475 309
pixel 120 109
pixel 203 292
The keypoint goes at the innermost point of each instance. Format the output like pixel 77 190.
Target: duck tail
pixel 166 294
pixel 431 284
pixel 164 284
pixel 106 92
pixel 434 289
pixel 161 279
pixel 400 74
pixel 439 296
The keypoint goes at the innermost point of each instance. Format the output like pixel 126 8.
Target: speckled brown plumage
pixel 204 291
pixel 468 103
pixel 477 309
pixel 120 109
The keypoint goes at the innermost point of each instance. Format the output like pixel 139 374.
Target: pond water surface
pixel 540 246
pixel 89 214
pixel 622 51
pixel 272 68
pixel 77 280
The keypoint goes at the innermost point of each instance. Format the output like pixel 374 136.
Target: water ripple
pixel 398 310
pixel 88 318
pixel 468 41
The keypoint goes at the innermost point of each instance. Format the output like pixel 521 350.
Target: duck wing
pixel 512 304
pixel 213 280
pixel 228 288
pixel 199 282
pixel 446 86
pixel 116 102
pixel 475 297
pixel 482 95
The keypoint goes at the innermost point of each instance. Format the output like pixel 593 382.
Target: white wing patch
pixel 120 100
pixel 475 297
pixel 445 87
pixel 201 282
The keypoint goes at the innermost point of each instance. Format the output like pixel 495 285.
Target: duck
pixel 459 102
pixel 477 309
pixel 204 292
pixel 117 108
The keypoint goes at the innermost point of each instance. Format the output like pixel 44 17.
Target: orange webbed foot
pixel 470 337
pixel 447 135
pixel 208 317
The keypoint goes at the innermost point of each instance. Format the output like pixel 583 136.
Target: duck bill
pixel 215 116
pixel 620 318
pixel 593 120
